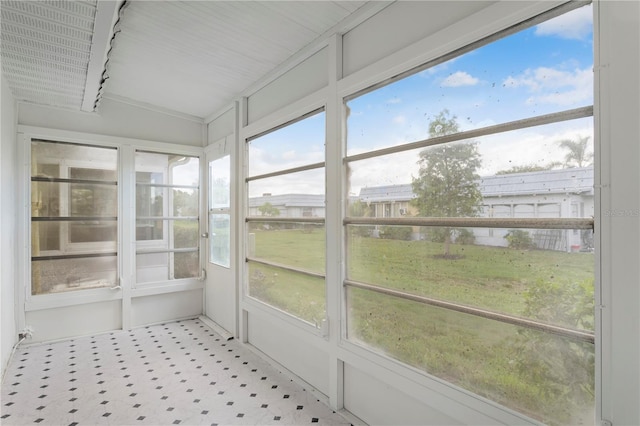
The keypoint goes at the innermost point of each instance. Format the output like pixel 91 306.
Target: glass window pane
pixel 152 267
pixel 544 73
pixel 220 183
pixel 186 202
pixel 219 204
pixel 220 239
pixel 297 294
pixel 60 275
pixel 74 199
pixel 298 245
pixel 93 231
pixel 292 195
pixel 299 291
pixel 149 230
pixel 505 271
pixel 187 265
pixel 547 377
pixel 297 144
pixel 185 233
pixel 523 173
pixel 167 216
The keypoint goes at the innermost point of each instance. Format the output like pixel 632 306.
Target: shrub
pixel 465 236
pixel 395 232
pixel 519 239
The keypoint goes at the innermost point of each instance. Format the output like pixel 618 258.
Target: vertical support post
pixel 333 222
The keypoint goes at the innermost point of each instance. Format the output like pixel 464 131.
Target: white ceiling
pixel 191 57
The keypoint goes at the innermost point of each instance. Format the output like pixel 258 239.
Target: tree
pixel 267 209
pixel 577 155
pixel 447 185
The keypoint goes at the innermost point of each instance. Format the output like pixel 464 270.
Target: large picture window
pixel 167 217
pixel 74 217
pixel 285 224
pixel 469 242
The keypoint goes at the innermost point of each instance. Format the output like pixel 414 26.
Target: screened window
pixel 167 217
pixel 486 279
pixel 285 224
pixel 74 217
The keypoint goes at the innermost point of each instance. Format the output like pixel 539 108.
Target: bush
pixel 396 232
pixel 519 239
pixel 361 230
pixel 465 236
pixel 562 368
pixel 438 235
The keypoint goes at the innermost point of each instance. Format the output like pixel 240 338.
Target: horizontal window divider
pixel 557 117
pixel 74 218
pixel 166 185
pixel 220 210
pixel 287 171
pixel 167 250
pixel 315 220
pixel 477 222
pixel 194 218
pixel 73 256
pixel 580 335
pixel 285 267
pixel 66 180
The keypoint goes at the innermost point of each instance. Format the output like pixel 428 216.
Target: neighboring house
pixel 389 200
pixel 563 193
pixel 290 205
pixel 544 194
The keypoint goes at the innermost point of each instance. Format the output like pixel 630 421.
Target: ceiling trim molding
pixel 107 14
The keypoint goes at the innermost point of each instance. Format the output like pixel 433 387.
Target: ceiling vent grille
pixel 46 48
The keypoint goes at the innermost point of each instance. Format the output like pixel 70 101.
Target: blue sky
pixel 541 70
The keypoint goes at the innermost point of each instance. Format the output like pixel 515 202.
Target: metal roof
pixel 562 181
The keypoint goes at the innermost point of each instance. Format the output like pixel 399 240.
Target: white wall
pixel 114 118
pixel 618 126
pixel 8 215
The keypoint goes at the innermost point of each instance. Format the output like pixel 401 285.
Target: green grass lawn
pixel 545 376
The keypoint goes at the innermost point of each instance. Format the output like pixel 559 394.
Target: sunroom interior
pixel 425 212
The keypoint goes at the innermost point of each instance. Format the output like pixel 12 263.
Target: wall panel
pixel 221 126
pixel 165 307
pixel 115 118
pixel 376 402
pixel 308 77
pixel 291 348
pixel 398 26
pixel 73 321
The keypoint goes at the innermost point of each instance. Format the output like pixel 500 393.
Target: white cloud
pixel 394 101
pixel 554 86
pixel 574 25
pixel 289 155
pixel 459 78
pixel 399 119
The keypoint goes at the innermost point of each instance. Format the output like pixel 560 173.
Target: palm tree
pixel 577 155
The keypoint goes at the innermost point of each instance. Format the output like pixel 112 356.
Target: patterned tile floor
pixel 175 373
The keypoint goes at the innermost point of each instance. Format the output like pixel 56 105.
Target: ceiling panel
pixel 195 57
